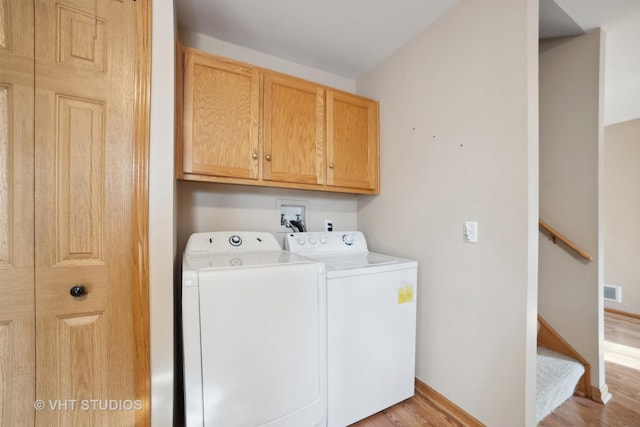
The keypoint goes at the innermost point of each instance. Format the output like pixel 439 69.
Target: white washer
pixel 254 331
pixel 371 318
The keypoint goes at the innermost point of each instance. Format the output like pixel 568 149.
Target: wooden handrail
pixel 554 234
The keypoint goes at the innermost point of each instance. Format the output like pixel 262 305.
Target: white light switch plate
pixel 470 231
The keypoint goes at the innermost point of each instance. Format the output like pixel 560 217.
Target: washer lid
pixel 357 260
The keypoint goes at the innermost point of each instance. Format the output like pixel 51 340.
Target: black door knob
pixel 78 291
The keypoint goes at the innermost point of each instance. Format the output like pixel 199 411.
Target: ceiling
pixel 621 21
pixel 350 37
pixel 343 37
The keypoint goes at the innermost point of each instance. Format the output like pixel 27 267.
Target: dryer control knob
pixel 235 240
pixel 301 241
pixel 323 240
pixel 312 240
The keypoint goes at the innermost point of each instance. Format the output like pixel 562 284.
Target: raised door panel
pixel 16 368
pixel 17 333
pixel 83 222
pixel 352 142
pixel 221 117
pixel 80 180
pixel 293 130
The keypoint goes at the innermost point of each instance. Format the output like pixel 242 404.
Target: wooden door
pixel 17 333
pixel 352 141
pixel 84 181
pixel 221 117
pixel 293 130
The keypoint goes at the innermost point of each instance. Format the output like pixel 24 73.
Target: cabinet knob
pixel 330 165
pixel 254 155
pixel 78 291
pixel 268 157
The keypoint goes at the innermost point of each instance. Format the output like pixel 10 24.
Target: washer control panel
pixel 326 241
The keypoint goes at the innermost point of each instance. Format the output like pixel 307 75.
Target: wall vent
pixel 613 293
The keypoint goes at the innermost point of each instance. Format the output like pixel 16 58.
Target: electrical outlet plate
pixel 328 225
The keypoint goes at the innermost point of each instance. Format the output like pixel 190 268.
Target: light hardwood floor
pixel 622 370
pixel 416 411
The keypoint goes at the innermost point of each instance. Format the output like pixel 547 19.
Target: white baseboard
pixel 601 395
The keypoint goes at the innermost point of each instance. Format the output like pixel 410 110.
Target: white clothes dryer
pixel 254 333
pixel 371 323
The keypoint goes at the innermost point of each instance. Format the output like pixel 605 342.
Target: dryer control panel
pixel 220 242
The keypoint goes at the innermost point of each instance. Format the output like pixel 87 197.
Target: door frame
pixel 140 213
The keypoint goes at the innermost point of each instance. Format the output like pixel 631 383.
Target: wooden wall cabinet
pixel 221 118
pixel 242 124
pixel 293 125
pixel 352 141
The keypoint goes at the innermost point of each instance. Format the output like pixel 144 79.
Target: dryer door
pixel 262 346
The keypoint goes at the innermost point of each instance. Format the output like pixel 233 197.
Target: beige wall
pixel 254 57
pixel 216 207
pixel 570 166
pixel 459 142
pixel 621 212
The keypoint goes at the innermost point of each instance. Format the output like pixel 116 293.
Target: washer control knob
pixel 347 239
pixel 312 240
pixel 235 240
pixel 323 240
pixel 301 241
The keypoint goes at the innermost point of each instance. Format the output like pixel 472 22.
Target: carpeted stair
pixel 556 380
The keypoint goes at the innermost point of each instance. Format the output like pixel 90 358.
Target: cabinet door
pixel 293 130
pixel 17 326
pixel 221 117
pixel 352 141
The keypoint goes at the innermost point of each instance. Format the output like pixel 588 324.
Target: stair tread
pixel 556 379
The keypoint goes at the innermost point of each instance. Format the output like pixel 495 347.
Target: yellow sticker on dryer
pixel 405 294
